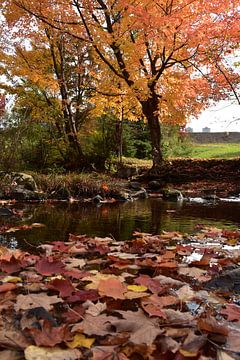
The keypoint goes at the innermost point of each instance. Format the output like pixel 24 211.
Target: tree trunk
pixel 150 110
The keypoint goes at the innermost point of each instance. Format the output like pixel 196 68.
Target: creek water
pixel 118 220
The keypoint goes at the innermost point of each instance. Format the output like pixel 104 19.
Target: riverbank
pixel 132 180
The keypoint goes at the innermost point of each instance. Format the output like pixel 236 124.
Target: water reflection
pixel 118 220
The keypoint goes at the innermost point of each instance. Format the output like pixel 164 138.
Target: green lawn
pixel 207 151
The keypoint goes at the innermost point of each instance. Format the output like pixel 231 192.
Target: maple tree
pixel 145 44
pixel 48 75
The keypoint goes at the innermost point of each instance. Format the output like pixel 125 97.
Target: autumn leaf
pixel 38 353
pixel 83 295
pixel 142 329
pixel 92 326
pixel 113 288
pixel 7 287
pixel 232 311
pixel 63 286
pixel 137 288
pixel 30 301
pixel 12 266
pixel 48 266
pixel 49 335
pixel 80 340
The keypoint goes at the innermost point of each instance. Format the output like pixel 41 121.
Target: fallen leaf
pixel 107 353
pixel 142 329
pixel 12 266
pixel 97 277
pixel 11 355
pixel 232 311
pixel 7 287
pixel 91 326
pixel 48 266
pixel 210 324
pixel 137 288
pixel 193 344
pixel 95 309
pixel 112 288
pixel 49 335
pixel 80 340
pixel 11 337
pixel 39 353
pixel 30 301
pixel 63 286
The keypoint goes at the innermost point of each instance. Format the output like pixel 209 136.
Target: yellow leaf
pixel 187 353
pixel 80 340
pixel 11 279
pixel 137 288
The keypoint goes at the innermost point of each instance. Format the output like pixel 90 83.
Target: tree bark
pixel 150 109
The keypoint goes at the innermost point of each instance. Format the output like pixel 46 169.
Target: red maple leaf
pixel 49 266
pixel 63 286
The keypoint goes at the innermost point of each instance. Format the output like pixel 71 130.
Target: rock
pixel 19 179
pixel 5 212
pixel 155 185
pixel 19 193
pixel 134 185
pixel 227 281
pixel 97 199
pixel 172 195
pixel 141 194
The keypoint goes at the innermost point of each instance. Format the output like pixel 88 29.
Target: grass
pixel 218 151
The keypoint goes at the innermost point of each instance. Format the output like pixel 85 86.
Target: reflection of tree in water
pixel 118 220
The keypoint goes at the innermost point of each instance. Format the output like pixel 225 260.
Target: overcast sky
pixel 218 118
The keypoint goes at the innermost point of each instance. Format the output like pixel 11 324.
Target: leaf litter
pixel 171 296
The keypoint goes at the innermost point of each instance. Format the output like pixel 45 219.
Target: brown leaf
pixel 30 301
pixel 210 324
pixel 10 336
pixel 178 317
pixel 11 355
pixel 107 353
pixel 193 344
pixel 49 335
pixel 91 326
pixel 142 329
pixel 113 288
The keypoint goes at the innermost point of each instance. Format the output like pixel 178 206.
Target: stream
pixel 117 220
